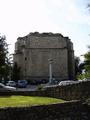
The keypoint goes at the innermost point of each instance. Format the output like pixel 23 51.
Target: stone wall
pixel 73 110
pixel 32 54
pixel 38 63
pixel 64 111
pixel 79 91
pixel 47 42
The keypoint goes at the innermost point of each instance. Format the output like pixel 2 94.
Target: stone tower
pixel 32 54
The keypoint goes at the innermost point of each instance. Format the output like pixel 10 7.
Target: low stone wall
pixel 65 111
pixel 79 91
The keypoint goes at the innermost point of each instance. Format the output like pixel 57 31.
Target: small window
pixel 25 58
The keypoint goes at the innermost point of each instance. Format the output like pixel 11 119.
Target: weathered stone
pixel 32 54
pixel 60 111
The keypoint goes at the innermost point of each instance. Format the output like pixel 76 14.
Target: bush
pixel 82 76
pixel 40 87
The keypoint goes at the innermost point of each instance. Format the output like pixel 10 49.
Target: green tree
pixel 15 72
pixel 85 66
pixel 81 67
pixel 87 62
pixel 77 72
pixel 4 71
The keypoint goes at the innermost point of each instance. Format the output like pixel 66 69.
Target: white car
pixel 88 79
pixel 6 88
pixel 11 83
pixel 68 82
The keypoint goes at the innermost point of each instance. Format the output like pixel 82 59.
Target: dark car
pixel 22 83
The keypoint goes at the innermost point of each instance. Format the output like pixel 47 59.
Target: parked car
pixel 11 83
pixel 84 80
pixel 68 82
pixel 88 79
pixel 22 83
pixel 6 88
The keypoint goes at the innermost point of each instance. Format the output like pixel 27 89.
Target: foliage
pixel 15 72
pixel 87 61
pixel 81 67
pixel 26 101
pixel 77 71
pixel 4 60
pixel 40 87
pixel 85 66
pixel 82 76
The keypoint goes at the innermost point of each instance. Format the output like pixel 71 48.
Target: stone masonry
pixel 33 52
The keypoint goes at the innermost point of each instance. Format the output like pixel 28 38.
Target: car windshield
pixel 10 81
pixel 22 81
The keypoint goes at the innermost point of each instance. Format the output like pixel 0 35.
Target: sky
pixel 69 17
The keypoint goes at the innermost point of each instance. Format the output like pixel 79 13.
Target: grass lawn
pixel 11 101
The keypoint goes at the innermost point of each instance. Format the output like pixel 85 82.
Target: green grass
pixel 16 101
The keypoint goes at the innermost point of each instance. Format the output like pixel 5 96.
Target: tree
pixel 15 72
pixel 85 66
pixel 81 67
pixel 87 62
pixel 4 71
pixel 77 60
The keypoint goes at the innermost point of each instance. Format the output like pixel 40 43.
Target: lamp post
pixel 25 60
pixel 25 67
pixel 50 70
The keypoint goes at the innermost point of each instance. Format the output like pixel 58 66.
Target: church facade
pixel 34 52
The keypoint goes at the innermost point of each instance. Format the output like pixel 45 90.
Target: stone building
pixel 33 52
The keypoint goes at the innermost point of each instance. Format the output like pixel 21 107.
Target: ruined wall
pixel 38 63
pixel 33 52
